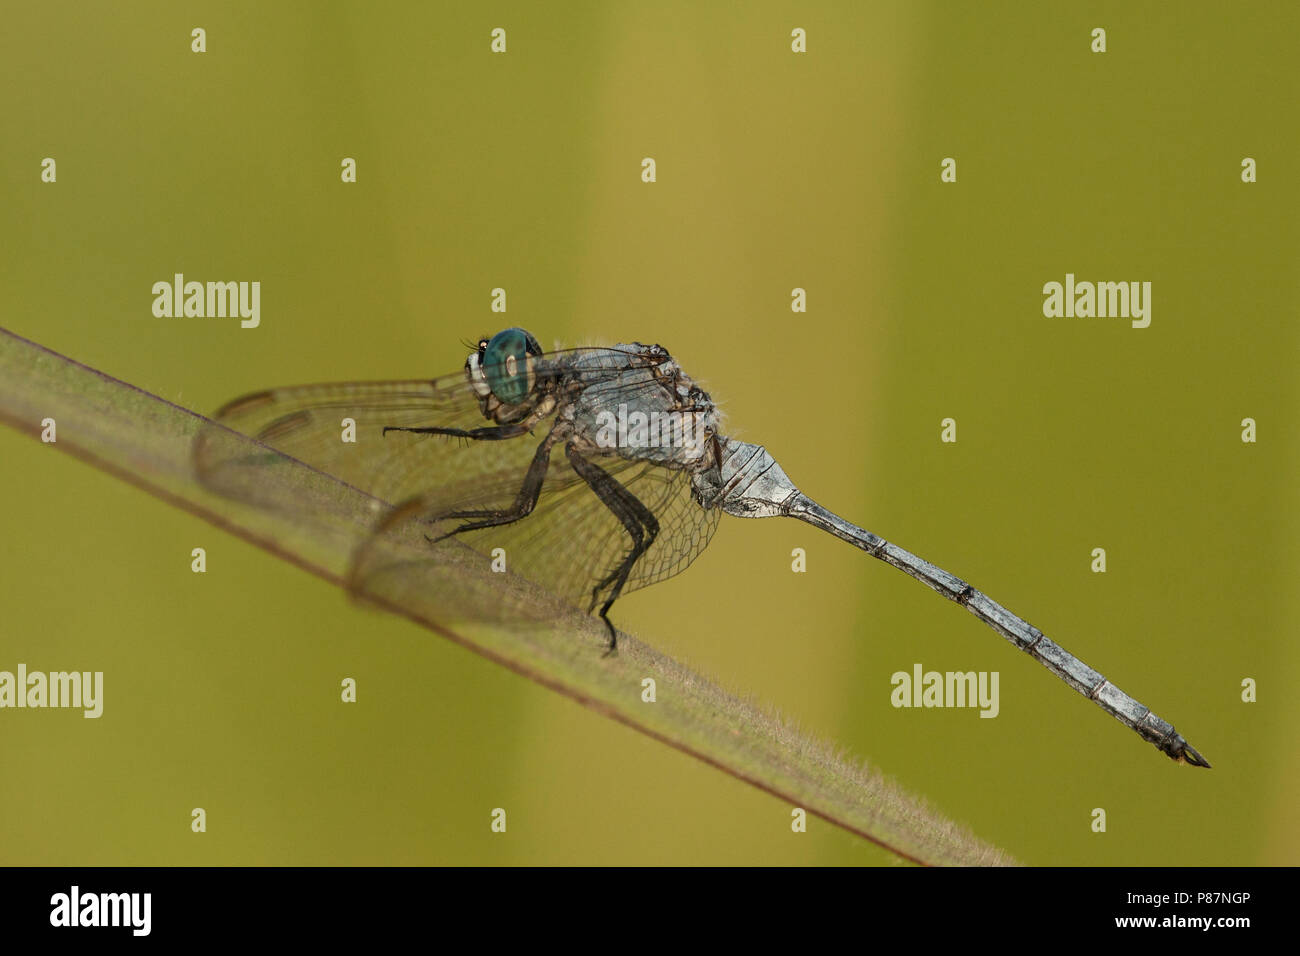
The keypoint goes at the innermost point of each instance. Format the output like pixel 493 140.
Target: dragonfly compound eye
pixel 508 365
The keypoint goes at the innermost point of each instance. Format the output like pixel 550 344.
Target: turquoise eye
pixel 507 363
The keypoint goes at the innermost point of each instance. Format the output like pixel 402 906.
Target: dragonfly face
pixel 503 373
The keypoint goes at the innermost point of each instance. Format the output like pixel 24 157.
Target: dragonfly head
pixel 504 366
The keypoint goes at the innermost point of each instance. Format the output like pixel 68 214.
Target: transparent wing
pixel 567 548
pixel 568 545
pixel 339 429
pixel 685 526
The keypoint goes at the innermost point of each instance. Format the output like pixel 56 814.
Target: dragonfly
pixel 589 472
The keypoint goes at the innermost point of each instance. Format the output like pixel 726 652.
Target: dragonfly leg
pixel 524 502
pixel 486 433
pixel 636 518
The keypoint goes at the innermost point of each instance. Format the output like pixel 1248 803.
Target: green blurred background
pixel 775 170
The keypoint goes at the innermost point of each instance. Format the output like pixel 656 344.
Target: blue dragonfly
pixel 593 471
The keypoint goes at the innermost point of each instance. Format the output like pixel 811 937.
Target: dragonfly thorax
pixel 635 402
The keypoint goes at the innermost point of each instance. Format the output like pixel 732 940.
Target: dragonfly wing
pixel 563 551
pixel 339 430
pixel 553 561
pixel 685 526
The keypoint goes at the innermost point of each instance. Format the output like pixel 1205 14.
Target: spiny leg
pixel 649 523
pixel 639 522
pixel 524 502
pixel 486 433
pixel 649 530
